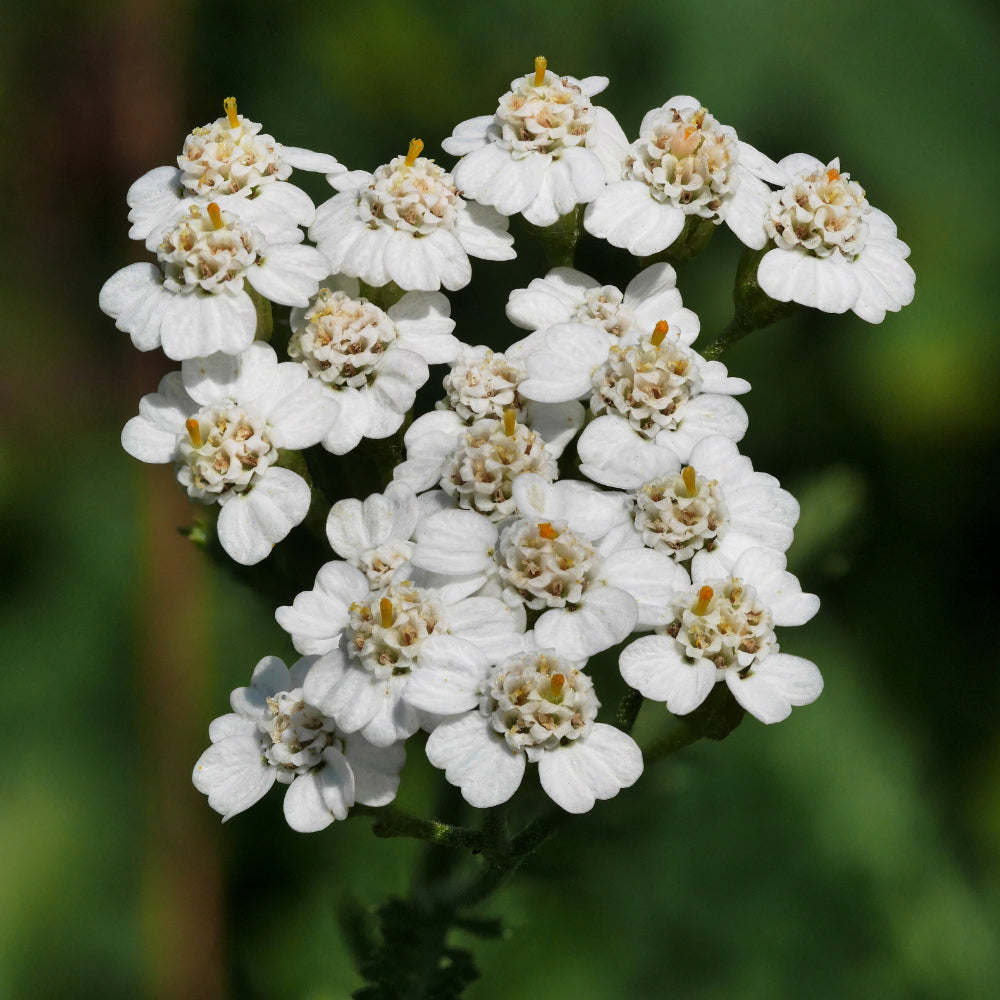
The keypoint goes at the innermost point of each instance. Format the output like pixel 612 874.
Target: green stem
pixel 390 822
pixel 628 710
pixel 559 240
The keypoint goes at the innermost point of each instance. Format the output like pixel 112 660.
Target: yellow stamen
pixel 194 431
pixel 416 148
pixel 229 106
pixel 556 683
pixel 687 473
pixel 833 175
pixel 659 332
pixel 546 530
pixel 699 117
pixel 385 609
pixel 509 422
pixel 540 67
pixel 215 214
pixel 704 597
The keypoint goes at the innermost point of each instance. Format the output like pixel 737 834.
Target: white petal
pixel 482 231
pixel 307 159
pixel 476 759
pixel 652 578
pixel 289 275
pixel 318 797
pixel 353 418
pixel 376 769
pixel 826 283
pixel 316 617
pixel 424 324
pixel 455 542
pixel 703 416
pixel 467 136
pixel 604 617
pixel 885 281
pixel 597 766
pixel 234 774
pixel 199 324
pixel 656 667
pixel 778 589
pixel 627 216
pixel 449 677
pixel 252 523
pixel 744 211
pixel 612 454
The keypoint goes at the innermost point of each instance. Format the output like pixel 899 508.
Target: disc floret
pixel 207 250
pixel 547 564
pixel 299 733
pixel 681 514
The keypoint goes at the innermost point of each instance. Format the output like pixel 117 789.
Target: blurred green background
pixel 850 851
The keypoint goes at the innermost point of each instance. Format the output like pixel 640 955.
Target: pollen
pixel 690 480
pixel 385 610
pixel 541 64
pixel 832 175
pixel 545 530
pixel 194 431
pixel 705 596
pixel 659 332
pixel 509 422
pixel 229 106
pixel 416 148
pixel 215 214
pixel 557 683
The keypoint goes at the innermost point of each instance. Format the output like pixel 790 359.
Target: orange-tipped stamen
pixel 385 610
pixel 416 148
pixel 690 481
pixel 546 530
pixel 229 106
pixel 659 332
pixel 509 422
pixel 704 598
pixel 194 431
pixel 541 65
pixel 556 683
pixel 215 214
pixel 833 175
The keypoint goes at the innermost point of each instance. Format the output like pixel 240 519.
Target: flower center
pixel 648 383
pixel 344 340
pixel 681 514
pixel 222 450
pixel 207 249
pixel 821 213
pixel 380 563
pixel 605 308
pixel 724 622
pixel 539 701
pixel 548 565
pixel 490 456
pixel 411 194
pixel 386 632
pixel 543 113
pixel 686 158
pixel 299 734
pixel 230 156
pixel 479 386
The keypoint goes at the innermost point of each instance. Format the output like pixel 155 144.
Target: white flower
pixel 683 164
pixel 371 360
pixel 474 466
pixel 222 420
pixel 231 162
pixel 374 642
pixel 833 251
pixel 406 223
pixel 568 296
pixel 274 734
pixel 536 707
pixel 194 303
pixel 722 630
pixel 570 554
pixel 546 150
pixel 714 510
pixel 654 398
pixel 375 536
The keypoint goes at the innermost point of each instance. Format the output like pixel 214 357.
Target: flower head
pixel 536 707
pixel 684 163
pixel 832 250
pixel 408 224
pixel 222 420
pixel 275 735
pixel 546 150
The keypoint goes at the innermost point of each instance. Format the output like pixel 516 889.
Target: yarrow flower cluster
pixel 575 497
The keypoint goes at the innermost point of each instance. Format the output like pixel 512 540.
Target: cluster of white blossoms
pixel 574 498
